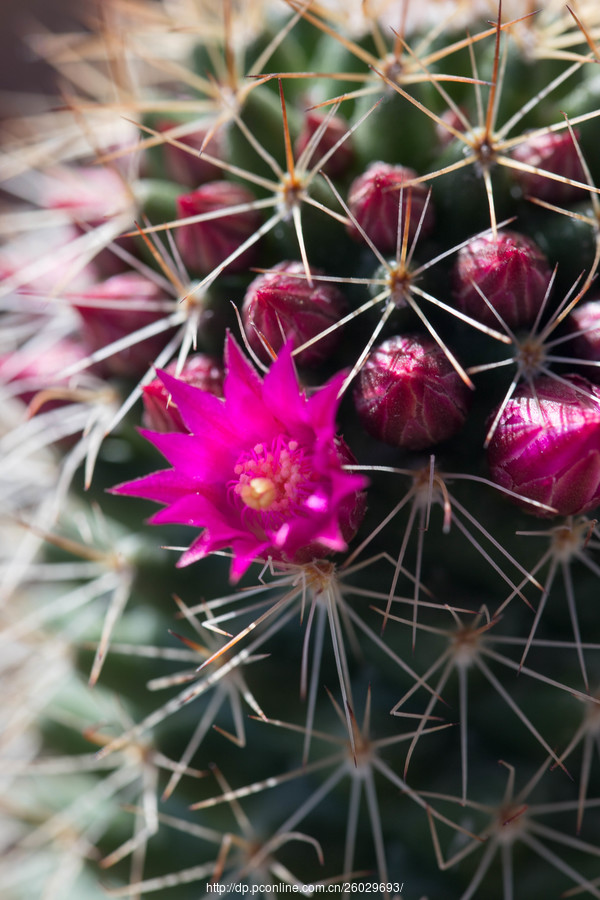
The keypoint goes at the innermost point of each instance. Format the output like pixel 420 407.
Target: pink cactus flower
pixel 511 271
pixel 409 395
pixel 279 303
pixel 260 471
pixel 374 200
pixel 547 445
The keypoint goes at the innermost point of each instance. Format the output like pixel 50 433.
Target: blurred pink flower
pixel 121 306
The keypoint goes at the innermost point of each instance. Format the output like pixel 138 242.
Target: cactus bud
pixel 335 129
pixel 160 410
pixel 374 200
pixel 191 169
pixel 585 323
pixel 92 195
pixel 453 119
pixel 511 271
pixel 546 446
pixel 119 306
pixel 30 371
pixel 204 245
pixel 281 305
pixel 409 395
pixel 554 152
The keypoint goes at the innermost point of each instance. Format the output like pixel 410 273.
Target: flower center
pixel 399 282
pixel 531 356
pixel 292 193
pixel 272 479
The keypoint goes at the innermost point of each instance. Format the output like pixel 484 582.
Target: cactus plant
pixel 356 647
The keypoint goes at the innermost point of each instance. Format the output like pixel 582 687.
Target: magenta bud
pixel 554 152
pixel 374 200
pixel 546 446
pixel 282 305
pixel 584 322
pixel 193 168
pixel 205 245
pixel 340 161
pixel 117 307
pixel 160 410
pixel 409 395
pixel 511 271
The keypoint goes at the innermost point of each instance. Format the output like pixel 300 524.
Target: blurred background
pixel 20 69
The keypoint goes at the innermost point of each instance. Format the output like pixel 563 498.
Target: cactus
pixel 335 263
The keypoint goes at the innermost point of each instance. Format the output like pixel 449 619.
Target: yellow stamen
pixel 259 493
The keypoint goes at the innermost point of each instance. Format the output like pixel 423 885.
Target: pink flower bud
pixel 284 307
pixel 191 168
pixel 91 196
pixel 584 321
pixel 117 307
pixel 374 200
pixel 546 446
pixel 160 410
pixel 336 128
pixel 511 271
pixel 409 395
pixel 48 245
pixel 30 372
pixel 445 136
pixel 554 152
pixel 204 245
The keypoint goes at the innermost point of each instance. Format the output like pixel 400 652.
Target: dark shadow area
pixel 20 68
